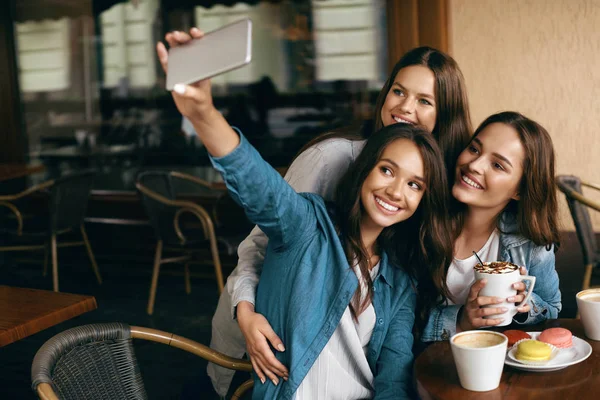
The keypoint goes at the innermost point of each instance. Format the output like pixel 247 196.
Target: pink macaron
pixel 559 337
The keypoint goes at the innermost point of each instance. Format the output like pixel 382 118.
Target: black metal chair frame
pixel 183 207
pixel 52 242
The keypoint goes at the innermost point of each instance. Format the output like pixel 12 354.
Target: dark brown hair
pixel 421 245
pixel 536 211
pixel 453 123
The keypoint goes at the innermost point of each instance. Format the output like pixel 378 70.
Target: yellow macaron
pixel 533 350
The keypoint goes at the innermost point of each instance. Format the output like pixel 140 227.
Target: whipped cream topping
pixel 496 267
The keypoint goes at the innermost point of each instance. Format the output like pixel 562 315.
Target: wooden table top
pixel 437 377
pixel 24 312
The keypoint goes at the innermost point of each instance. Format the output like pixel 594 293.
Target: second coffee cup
pixel 500 277
pixel 588 304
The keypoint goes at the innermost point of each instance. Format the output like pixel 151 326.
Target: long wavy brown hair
pixel 453 123
pixel 422 244
pixel 536 211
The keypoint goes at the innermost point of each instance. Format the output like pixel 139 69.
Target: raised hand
pixel 194 100
pixel 473 311
pixel 257 331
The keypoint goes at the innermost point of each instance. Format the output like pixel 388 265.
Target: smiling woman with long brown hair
pixel 505 209
pixel 339 281
pixel 425 88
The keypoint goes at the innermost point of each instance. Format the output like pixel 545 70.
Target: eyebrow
pixel 429 96
pixel 500 156
pixel 417 177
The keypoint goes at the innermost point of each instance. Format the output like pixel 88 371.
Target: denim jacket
pixel 545 300
pixel 307 283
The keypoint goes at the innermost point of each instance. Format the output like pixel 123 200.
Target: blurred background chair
pixel 67 204
pixel 98 361
pixel 159 197
pixel 579 206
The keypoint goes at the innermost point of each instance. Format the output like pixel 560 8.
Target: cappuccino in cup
pixel 501 275
pixel 588 303
pixel 496 267
pixel 477 351
pixel 592 298
pixel 478 340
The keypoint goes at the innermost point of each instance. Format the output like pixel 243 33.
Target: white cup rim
pixel 479 332
pixel 583 292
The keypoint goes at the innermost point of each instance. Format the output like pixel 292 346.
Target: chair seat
pixel 99 362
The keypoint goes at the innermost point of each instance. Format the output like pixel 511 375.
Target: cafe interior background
pixel 82 88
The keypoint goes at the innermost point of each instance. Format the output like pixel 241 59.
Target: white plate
pixel 565 357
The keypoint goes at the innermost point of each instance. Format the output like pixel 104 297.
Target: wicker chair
pixel 579 206
pixel 98 362
pixel 68 200
pixel 159 197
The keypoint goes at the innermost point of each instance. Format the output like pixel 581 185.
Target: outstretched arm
pixel 268 201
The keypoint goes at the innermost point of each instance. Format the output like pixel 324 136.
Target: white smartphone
pixel 219 51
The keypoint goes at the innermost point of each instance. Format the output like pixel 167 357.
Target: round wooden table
pixel 437 378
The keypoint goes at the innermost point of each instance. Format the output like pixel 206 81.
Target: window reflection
pixel 93 91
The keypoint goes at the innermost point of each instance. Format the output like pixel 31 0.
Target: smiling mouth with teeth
pixel 402 121
pixel 470 182
pixel 385 205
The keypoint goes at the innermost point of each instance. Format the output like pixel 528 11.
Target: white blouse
pixel 342 372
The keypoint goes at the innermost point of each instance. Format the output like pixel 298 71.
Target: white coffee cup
pixel 588 303
pixel 479 359
pixel 499 284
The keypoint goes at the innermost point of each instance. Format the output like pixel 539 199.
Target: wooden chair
pixel 579 206
pixel 159 197
pixel 68 199
pixel 98 361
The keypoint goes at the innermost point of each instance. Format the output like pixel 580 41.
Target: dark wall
pixel 13 142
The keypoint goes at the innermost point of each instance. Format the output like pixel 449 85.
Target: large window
pixel 92 83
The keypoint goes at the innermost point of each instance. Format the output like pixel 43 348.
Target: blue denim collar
pixel 508 225
pixel 384 270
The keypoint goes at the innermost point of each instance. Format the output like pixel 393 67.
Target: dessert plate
pixel 565 357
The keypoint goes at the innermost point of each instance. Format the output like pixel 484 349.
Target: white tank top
pixel 341 371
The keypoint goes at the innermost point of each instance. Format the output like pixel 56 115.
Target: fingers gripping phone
pixel 219 51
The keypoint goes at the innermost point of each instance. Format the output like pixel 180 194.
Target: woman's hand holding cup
pixel 505 282
pixel 521 288
pixel 473 311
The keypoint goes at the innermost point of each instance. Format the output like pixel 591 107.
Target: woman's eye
pixel 473 149
pixel 498 166
pixel 386 170
pixel 398 92
pixel 415 185
pixel 425 101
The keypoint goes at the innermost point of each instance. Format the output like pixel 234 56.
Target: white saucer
pixel 565 357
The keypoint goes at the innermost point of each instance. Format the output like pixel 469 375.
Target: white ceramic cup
pixel 479 359
pixel 500 285
pixel 588 303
